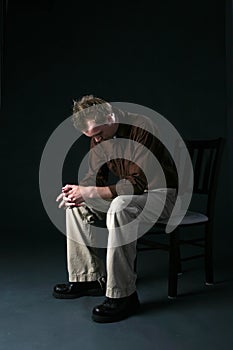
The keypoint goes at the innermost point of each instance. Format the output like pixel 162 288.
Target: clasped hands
pixel 70 197
pixel 75 196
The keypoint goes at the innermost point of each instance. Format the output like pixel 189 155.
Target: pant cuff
pixel 119 293
pixel 85 278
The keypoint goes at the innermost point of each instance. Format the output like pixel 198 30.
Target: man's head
pixel 94 117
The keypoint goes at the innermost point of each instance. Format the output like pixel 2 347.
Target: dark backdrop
pixel 170 57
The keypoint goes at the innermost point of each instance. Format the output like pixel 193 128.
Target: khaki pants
pixel 83 261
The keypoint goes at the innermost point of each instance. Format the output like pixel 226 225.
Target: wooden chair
pixel 206 159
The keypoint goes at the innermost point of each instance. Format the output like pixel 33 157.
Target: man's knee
pixel 72 213
pixel 119 203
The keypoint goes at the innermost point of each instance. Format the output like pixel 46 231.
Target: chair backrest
pixel 206 158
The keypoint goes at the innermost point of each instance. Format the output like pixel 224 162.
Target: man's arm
pixel 74 195
pixel 92 185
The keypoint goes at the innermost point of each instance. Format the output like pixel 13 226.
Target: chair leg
pixel 135 264
pixel 173 265
pixel 209 255
pixel 179 265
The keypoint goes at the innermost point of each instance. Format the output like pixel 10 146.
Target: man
pixel 124 145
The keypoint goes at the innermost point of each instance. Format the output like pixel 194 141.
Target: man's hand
pixel 70 196
pixel 74 196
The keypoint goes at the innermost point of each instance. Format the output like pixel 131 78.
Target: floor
pixel 201 317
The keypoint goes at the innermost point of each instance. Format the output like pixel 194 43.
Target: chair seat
pixel 190 218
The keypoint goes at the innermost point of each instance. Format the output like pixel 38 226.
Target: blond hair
pixel 89 108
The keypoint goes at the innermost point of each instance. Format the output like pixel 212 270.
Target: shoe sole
pixel 117 318
pixel 93 293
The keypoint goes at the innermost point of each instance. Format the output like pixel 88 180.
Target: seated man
pixel 123 144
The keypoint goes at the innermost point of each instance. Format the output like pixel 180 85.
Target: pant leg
pixel 83 261
pixel 121 275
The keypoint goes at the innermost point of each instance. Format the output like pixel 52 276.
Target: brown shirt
pixel 135 156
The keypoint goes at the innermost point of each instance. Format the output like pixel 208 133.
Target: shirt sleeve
pixel 138 172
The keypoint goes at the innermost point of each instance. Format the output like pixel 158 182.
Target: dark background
pixel 174 58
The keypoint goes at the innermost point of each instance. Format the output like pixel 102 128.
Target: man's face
pixel 101 132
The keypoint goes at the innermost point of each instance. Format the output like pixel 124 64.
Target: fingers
pixel 71 197
pixel 67 188
pixel 62 196
pixel 59 197
pixel 67 197
pixel 61 204
pixel 66 202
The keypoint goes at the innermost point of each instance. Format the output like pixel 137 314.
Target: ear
pixel 111 118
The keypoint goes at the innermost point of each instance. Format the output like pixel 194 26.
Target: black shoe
pixel 73 290
pixel 116 309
